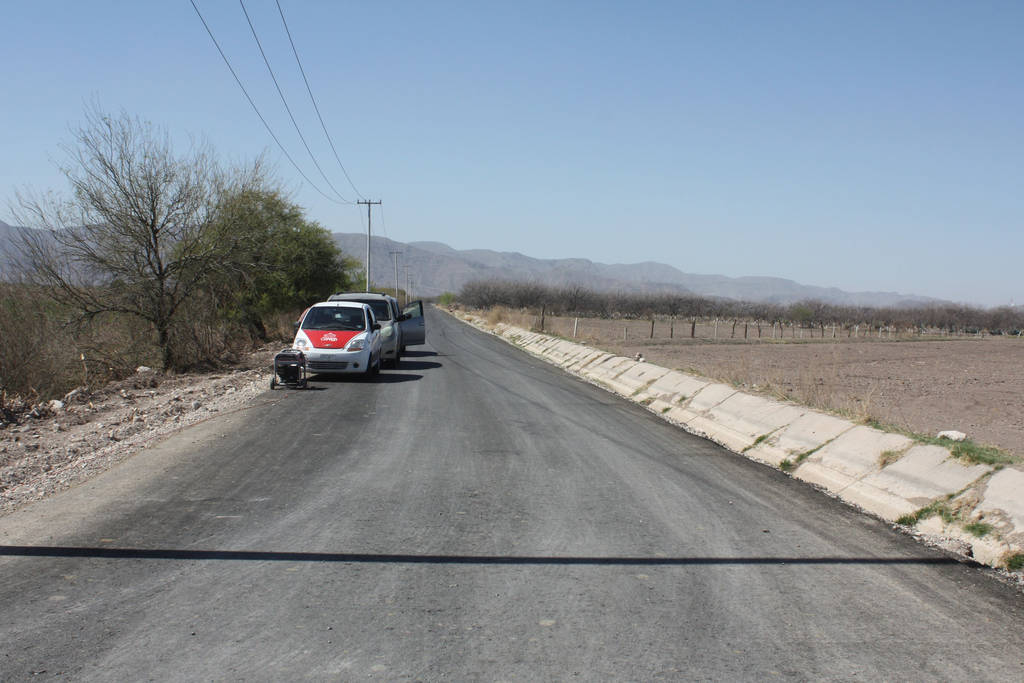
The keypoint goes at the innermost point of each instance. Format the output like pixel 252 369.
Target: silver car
pixel 399 327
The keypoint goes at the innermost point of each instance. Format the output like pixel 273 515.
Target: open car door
pixel 414 328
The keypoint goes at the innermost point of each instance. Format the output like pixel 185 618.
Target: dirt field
pixel 974 385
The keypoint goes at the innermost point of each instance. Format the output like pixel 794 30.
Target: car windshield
pixel 334 318
pixel 381 310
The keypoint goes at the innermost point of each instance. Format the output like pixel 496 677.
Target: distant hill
pixel 435 268
pixel 7 235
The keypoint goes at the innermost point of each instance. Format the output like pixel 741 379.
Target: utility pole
pixel 368 205
pixel 396 255
pixel 406 284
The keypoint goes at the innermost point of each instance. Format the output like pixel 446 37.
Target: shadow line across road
pixel 378 558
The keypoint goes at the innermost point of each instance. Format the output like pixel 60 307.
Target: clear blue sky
pixel 862 145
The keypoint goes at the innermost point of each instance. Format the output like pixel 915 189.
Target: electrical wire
pixel 284 101
pixel 313 100
pixel 256 109
pixel 383 225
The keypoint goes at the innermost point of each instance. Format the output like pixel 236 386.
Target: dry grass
pixel 44 356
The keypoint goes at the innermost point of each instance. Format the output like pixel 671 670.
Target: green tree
pixel 283 261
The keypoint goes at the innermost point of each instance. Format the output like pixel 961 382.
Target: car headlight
pixel 356 344
pixel 301 344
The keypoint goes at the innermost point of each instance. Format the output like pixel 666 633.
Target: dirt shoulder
pixel 59 444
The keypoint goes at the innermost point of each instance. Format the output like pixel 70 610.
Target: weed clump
pixel 966 451
pixel 939 507
pixel 976 454
pixel 888 457
pixel 978 529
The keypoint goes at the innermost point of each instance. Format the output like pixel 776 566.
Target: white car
pixel 339 337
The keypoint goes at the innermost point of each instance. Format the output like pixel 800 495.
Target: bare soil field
pixel 971 384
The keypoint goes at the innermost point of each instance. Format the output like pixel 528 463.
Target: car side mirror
pixel 404 316
pixel 376 326
pixel 295 326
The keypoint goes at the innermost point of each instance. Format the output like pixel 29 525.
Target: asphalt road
pixel 476 515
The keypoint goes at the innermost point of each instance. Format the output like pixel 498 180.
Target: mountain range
pixel 435 268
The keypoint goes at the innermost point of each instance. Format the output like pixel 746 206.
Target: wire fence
pixel 732 330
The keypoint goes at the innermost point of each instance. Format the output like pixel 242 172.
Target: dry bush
pixel 43 355
pixel 281 326
pixel 36 353
pixel 498 314
pixel 114 345
pixel 203 340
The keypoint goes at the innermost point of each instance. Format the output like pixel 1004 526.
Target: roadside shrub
pixel 281 326
pixel 36 352
pixel 44 355
pixel 203 340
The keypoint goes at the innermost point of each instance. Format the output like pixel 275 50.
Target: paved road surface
pixel 476 515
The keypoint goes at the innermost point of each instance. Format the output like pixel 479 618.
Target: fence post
pixel 541 318
pixel 716 328
pixel 575 326
pixel 693 328
pixel 624 333
pixel 652 327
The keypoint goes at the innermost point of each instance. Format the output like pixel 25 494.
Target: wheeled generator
pixel 289 369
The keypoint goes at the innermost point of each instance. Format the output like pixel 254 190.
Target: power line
pixel 284 101
pixel 313 99
pixel 256 109
pixel 396 254
pixel 383 226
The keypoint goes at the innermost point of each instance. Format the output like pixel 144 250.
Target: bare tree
pixel 138 234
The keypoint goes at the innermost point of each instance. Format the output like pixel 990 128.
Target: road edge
pixel 975 510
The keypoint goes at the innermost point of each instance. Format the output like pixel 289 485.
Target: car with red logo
pixel 339 337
